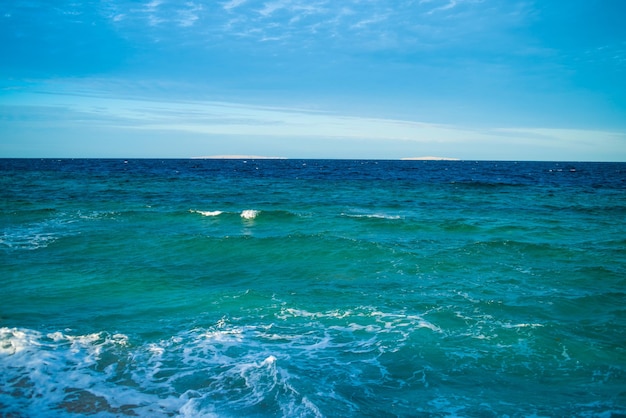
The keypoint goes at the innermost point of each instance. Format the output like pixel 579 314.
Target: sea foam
pixel 372 216
pixel 250 214
pixel 207 213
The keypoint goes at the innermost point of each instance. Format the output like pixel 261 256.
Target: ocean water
pixel 312 288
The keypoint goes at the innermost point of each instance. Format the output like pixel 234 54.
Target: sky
pixel 380 79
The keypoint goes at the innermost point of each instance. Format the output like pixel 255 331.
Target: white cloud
pixel 369 21
pixel 129 118
pixel 449 5
pixel 270 8
pixel 152 5
pixel 232 4
pixel 188 16
pixel 350 24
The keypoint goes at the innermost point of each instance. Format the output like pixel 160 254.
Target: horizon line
pixel 253 157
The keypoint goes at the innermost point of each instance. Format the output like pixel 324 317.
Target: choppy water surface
pixel 312 288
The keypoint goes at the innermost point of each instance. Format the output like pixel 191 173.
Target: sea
pixel 312 288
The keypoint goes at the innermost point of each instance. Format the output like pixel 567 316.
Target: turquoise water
pixel 312 288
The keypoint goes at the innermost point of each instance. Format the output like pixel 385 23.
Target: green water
pixel 312 288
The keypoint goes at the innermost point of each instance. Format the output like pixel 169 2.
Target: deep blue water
pixel 312 288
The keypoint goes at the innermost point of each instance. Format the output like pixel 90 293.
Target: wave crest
pixel 207 212
pixel 250 213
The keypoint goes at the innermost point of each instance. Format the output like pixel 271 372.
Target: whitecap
pixel 269 360
pixel 372 216
pixel 234 335
pixel 155 349
pixel 250 213
pixel 395 321
pixel 207 212
pixel 522 325
pixel 13 340
pixel 382 216
pixel 59 371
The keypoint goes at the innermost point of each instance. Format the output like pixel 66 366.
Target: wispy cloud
pixel 613 54
pixel 450 4
pixel 155 13
pixel 349 23
pixel 269 8
pixel 85 107
pixel 224 118
pixel 232 4
pixel 189 15
pixel 370 21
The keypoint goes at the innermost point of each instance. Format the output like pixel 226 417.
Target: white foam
pixel 60 371
pixel 250 213
pixel 565 354
pixel 13 340
pixel 33 236
pixel 59 374
pixel 393 321
pixel 203 371
pixel 224 336
pixel 522 325
pixel 372 216
pixel 269 360
pixel 27 239
pixel 291 312
pixel 94 215
pixel 207 212
pixel 156 350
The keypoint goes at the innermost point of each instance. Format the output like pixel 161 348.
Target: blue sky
pixel 470 79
